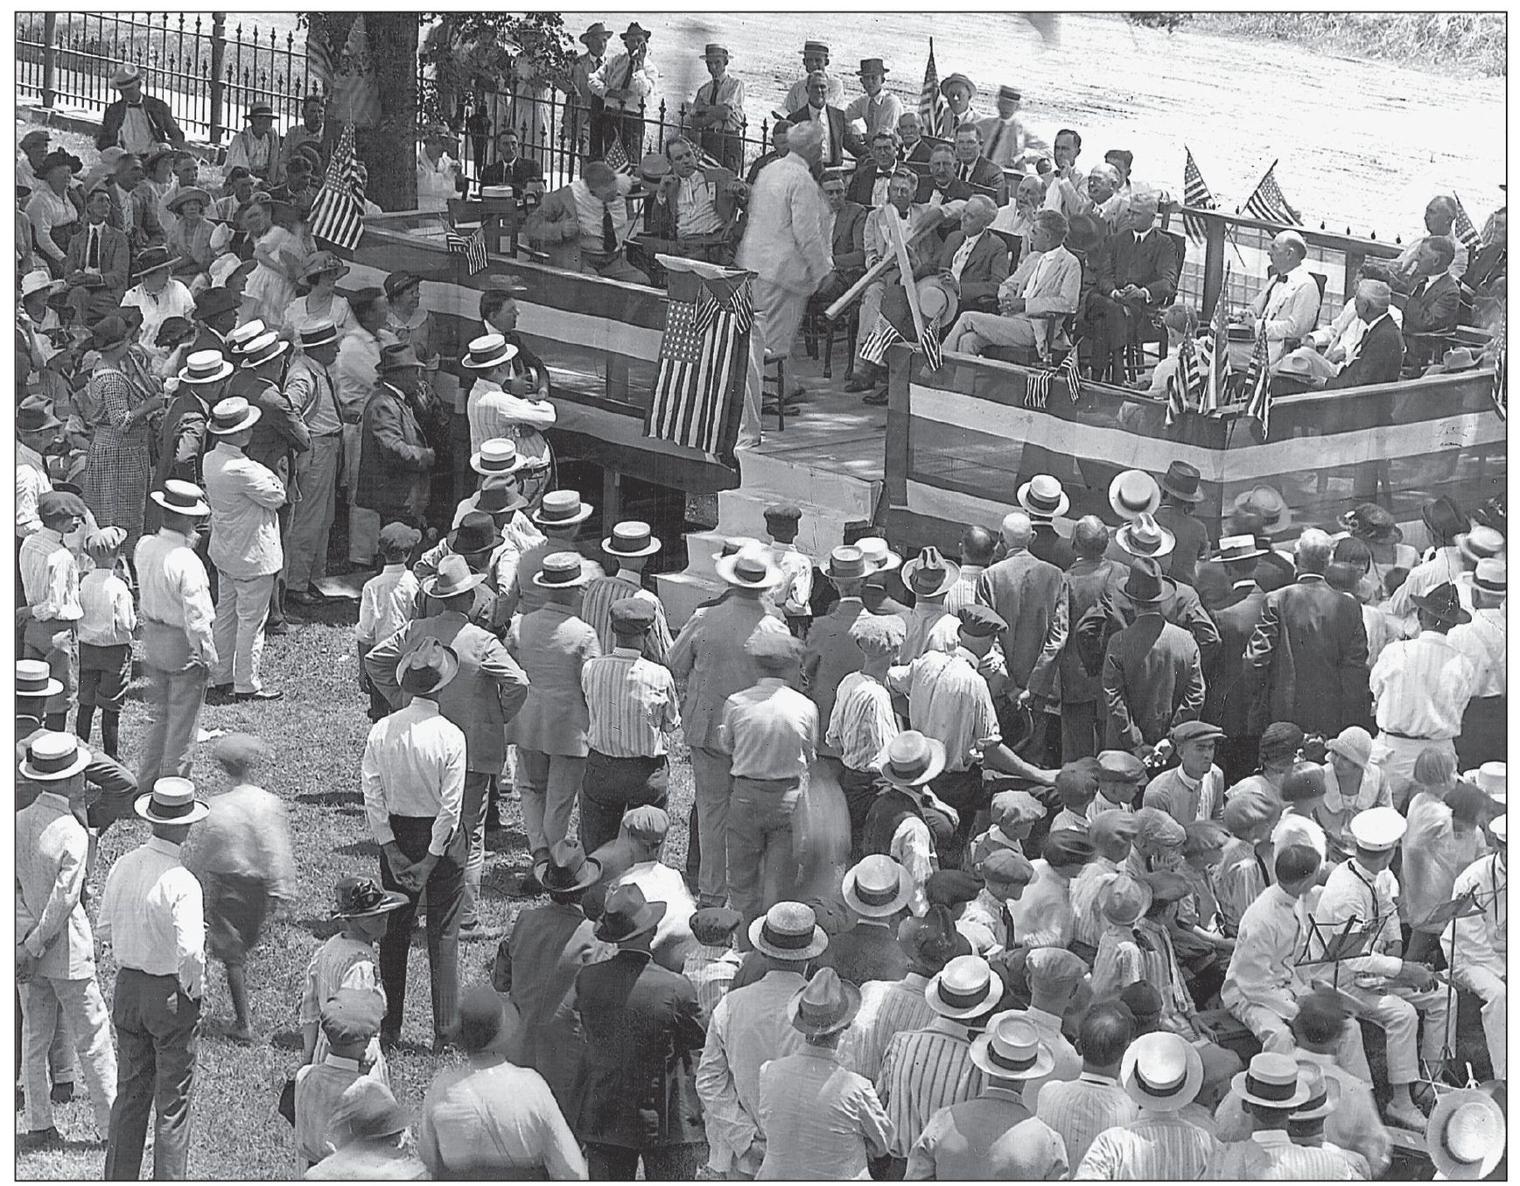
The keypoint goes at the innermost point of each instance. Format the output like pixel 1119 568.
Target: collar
pixel 1097 1077
pixel 1435 636
pixel 423 706
pixel 159 844
pixel 1249 585
pixel 396 391
pixel 178 537
pixel 1192 784
pixel 993 1092
pixel 627 652
pixel 398 567
pixel 54 800
pixel 1272 1138
pixel 1375 320
pixel 1308 578
pixel 823 1053
pixel 1141 236
pixel 343 1064
pixel 971 240
pixel 49 533
pixel 773 681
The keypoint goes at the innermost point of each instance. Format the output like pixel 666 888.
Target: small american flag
pixel 1463 228
pixel 934 357
pixel 1499 393
pixel 699 377
pixel 1069 370
pixel 1037 385
pixel 1185 389
pixel 1267 202
pixel 1195 194
pixel 472 247
pixel 337 214
pixel 933 110
pixel 1216 355
pixel 882 337
pixel 1259 385
pixel 616 158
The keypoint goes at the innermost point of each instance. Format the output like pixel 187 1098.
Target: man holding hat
pixel 1483 640
pixel 394 456
pixel 311 390
pixel 820 1120
pixel 244 497
pixel 1152 670
pixel 638 1099
pixel 624 83
pixel 413 775
pixel 1393 992
pixel 1478 953
pixel 350 1020
pixel 1163 1074
pixel 717 110
pixel 151 917
pixel 135 121
pixel 55 946
pixel 630 546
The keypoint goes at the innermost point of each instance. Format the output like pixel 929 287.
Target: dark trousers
pixel 445 896
pixel 459 458
pixel 610 126
pixel 964 791
pixel 155 1070
pixel 1081 730
pixel 672 1163
pixel 859 787
pixel 596 128
pixel 1484 732
pixel 612 786
pixel 1236 757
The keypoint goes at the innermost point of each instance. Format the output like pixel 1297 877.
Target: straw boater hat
pixel 824 1005
pixel 239 338
pixel 1481 543
pixel 53 757
pixel 1143 536
pixel 630 540
pixel 1012 1049
pixel 750 568
pixel 1237 547
pixel 1466 1135
pixel 964 988
pixel 562 508
pixel 171 801
pixel 1490 779
pixel 34 680
pixel 846 563
pixel 265 348
pixel 126 76
pixel 232 415
pixel 561 570
pixel 878 887
pixel 1271 1081
pixel 911 759
pixel 497 456
pixel 488 352
pixel 204 367
pixel 1324 1094
pixel 878 555
pixel 183 498
pixel 321 332
pixel 1162 1072
pixel 1044 497
pixel 360 897
pixel 788 931
pixel 1133 492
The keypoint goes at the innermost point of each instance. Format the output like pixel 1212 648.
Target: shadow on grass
pixel 287 1040
pixel 360 848
pixel 333 799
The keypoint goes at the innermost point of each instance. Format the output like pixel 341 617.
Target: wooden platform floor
pixel 829 428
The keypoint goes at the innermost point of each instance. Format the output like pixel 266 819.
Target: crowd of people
pixel 1040 860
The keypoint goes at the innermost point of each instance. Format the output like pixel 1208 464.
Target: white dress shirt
pixel 50 577
pixel 494 412
pixel 962 254
pixel 797 97
pixel 108 616
pixel 244 497
pixel 174 590
pixel 493 1116
pixel 151 914
pixel 696 206
pixel 1483 641
pixel 173 301
pixel 32 481
pixel 414 766
pixel 358 361
pixel 1421 687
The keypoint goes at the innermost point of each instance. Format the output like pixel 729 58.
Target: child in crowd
pixel 713 962
pixel 105 639
pixel 385 603
pixel 1076 787
pixel 1117 964
pixel 350 1022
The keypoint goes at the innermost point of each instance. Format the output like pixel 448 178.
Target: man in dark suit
pixel 1433 301
pixel 975 169
pixel 1090 577
pixel 1026 593
pixel 819 111
pixel 976 258
pixel 877 892
pixel 1152 673
pixel 868 185
pixel 1381 354
pixel 942 185
pixel 1307 658
pixel 848 242
pixel 97 262
pixel 508 168
pixel 638 1094
pixel 1225 700
pixel 216 311
pixel 914 146
pixel 779 130
pixel 1488 268
pixel 1136 276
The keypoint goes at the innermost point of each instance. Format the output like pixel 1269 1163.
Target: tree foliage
pixel 472 54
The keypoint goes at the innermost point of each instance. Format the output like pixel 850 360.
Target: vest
pixel 882 821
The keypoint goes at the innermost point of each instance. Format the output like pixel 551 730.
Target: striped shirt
pixel 1239 880
pixel 50 577
pixel 596 612
pixel 923 1071
pixel 862 723
pixel 1157 1146
pixel 963 592
pixel 1086 888
pixel 711 971
pixel 1483 640
pixel 1079 1110
pixel 950 701
pixel 1273 1155
pixel 887 1008
pixel 632 705
pixel 1421 687
pixel 770 729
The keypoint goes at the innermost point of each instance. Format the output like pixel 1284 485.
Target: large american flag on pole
pixel 700 376
pixel 1268 203
pixel 933 110
pixel 1196 195
pixel 337 214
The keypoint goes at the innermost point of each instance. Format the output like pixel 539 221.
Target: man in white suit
pixel 1289 306
pixel 1048 280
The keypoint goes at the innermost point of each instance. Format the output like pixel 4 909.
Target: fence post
pixel 49 57
pixel 218 64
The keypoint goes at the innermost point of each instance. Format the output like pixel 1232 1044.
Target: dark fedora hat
pixel 1442 602
pixel 360 897
pixel 634 30
pixel 476 533
pixel 35 414
pixel 213 302
pixel 626 915
pixel 596 30
pixel 1146 585
pixel 566 868
pixel 427 668
pixel 399 358
pixel 1182 480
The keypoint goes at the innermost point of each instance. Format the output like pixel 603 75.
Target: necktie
pixel 997 138
pixel 965 172
pixel 92 258
pixel 627 74
pixel 609 231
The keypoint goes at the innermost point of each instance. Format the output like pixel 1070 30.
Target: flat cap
pixel 980 621
pixel 1006 867
pixel 879 633
pixel 1157 829
pixel 1077 781
pixel 1247 810
pixel 772 646
pixel 1196 731
pixel 59 504
pixel 1012 808
pixel 713 925
pixel 1113 831
pixel 783 513
pixel 632 614
pixel 951 887
pixel 399 537
pixel 352 1016
pixel 1118 765
pixel 1066 847
pixel 1142 1000
pixel 1166 886
pixel 646 823
pixel 1054 971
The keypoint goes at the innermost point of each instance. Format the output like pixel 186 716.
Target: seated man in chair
pixel 847 226
pixel 1432 300
pixel 974 258
pixel 1047 282
pixel 584 226
pixel 696 207
pixel 1137 275
pixel 1288 306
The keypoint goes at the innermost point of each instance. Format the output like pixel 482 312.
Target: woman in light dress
pixel 321 300
pixel 278 263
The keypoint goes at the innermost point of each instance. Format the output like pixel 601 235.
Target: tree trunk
pixel 389 151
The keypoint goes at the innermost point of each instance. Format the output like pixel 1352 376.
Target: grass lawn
pixel 318 733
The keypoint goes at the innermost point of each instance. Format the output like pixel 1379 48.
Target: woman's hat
pixel 965 987
pixel 626 915
pixel 1371 522
pixel 1182 480
pixel 1143 536
pixel 323 263
pixel 59 157
pixel 1466 1135
pixel 1443 603
pixel 203 367
pixel 427 668
pixel 1133 492
pixel 1163 1072
pixel 171 801
pixel 1266 502
pixel 561 508
pixel 110 331
pixel 1125 900
pixel 750 568
pixel 1044 497
pixel 1271 1081
pixel 930 574
pixel 631 539
pixel 878 887
pixel 232 415
pixel 824 1005
pixel 496 456
pixel 1012 1049
pixel 267 347
pixel 183 498
pixel 1352 743
pixel 561 570
pixel 788 931
pixel 1145 584
pixel 911 759
pixel 566 868
pixel 488 352
pixel 35 680
pixel 453 577
pixel 53 757
pixel 360 897
pixel 191 193
pixel 152 259
pixel 40 281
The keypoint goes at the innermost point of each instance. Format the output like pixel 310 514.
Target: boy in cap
pixel 986 922
pixel 1121 775
pixel 862 722
pixel 1245 868
pixel 1043 916
pixel 243 857
pixel 108 620
pixel 1014 815
pixel 1194 788
pixel 793 595
pixel 350 1020
pixel 386 603
pixel 1076 786
pixel 50 584
pixel 362 911
pixel 712 964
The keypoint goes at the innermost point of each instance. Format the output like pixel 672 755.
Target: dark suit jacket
pixel 1152 681
pixel 1434 308
pixel 115 258
pixel 1087 583
pixel 1227 701
pixel 160 123
pixel 183 428
pixel 1307 659
pixel 1114 611
pixel 834 154
pixel 988 176
pixel 862 182
pixel 865 952
pixel 394 458
pixel 1192 542
pixel 1151 265
pixel 849 243
pixel 831 655
pixel 1025 591
pixel 549 946
pixel 956 189
pixel 644 1034
pixel 521 171
pixel 1051 546
pixel 279 435
pixel 1378 361
pixel 919 153
pixel 986 268
pixel 207 339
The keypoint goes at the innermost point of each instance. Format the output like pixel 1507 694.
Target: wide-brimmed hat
pixel 634 30
pixel 824 1005
pixel 477 532
pixel 360 897
pixel 1144 537
pixel 171 801
pixel 1459 358
pixel 847 563
pixel 191 193
pixel 1044 497
pixel 233 415
pixel 487 352
pixel 561 570
pixel 930 574
pixel 212 302
pixel 596 30
pixel 109 331
pixel 53 757
pixel 267 347
pixel 788 931
pixel 1145 585
pixel 183 498
pixel 1133 492
pixel 631 539
pixel 1162 1072
pixel 1182 480
pixel 1369 521
pixel 879 556
pixel 938 301
pixel 35 414
pixel 878 887
pixel 951 80
pixel 497 457
pixel 1237 547
pixel 1271 1081
pixel 1444 603
pixel 965 987
pixel 257 111
pixel 566 868
pixel 1324 1094
pixel 1466 1135
pixel 750 568
pixel 911 759
pixel 562 508
pixel 34 679
pixel 205 367
pixel 1267 503
pixel 1481 543
pixel 323 263
pixel 427 668
pixel 453 577
pixel 40 281
pixel 399 358
pixel 1012 1049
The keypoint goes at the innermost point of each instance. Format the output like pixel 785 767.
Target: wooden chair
pixel 1151 331
pixel 778 363
pixel 816 329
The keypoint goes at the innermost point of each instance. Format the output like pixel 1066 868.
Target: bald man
pixel 1025 592
pixel 1320 354
pixel 1288 307
pixel 1136 276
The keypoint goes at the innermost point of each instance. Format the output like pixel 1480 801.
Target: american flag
pixel 1267 202
pixel 616 158
pixel 1185 389
pixel 881 337
pixel 699 380
pixel 1259 385
pixel 1196 195
pixel 1069 370
pixel 933 110
pixel 1463 228
pixel 1037 386
pixel 337 214
pixel 1216 355
pixel 1499 393
pixel 472 247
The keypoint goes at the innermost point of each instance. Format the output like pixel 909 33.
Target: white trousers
pixel 1495 1011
